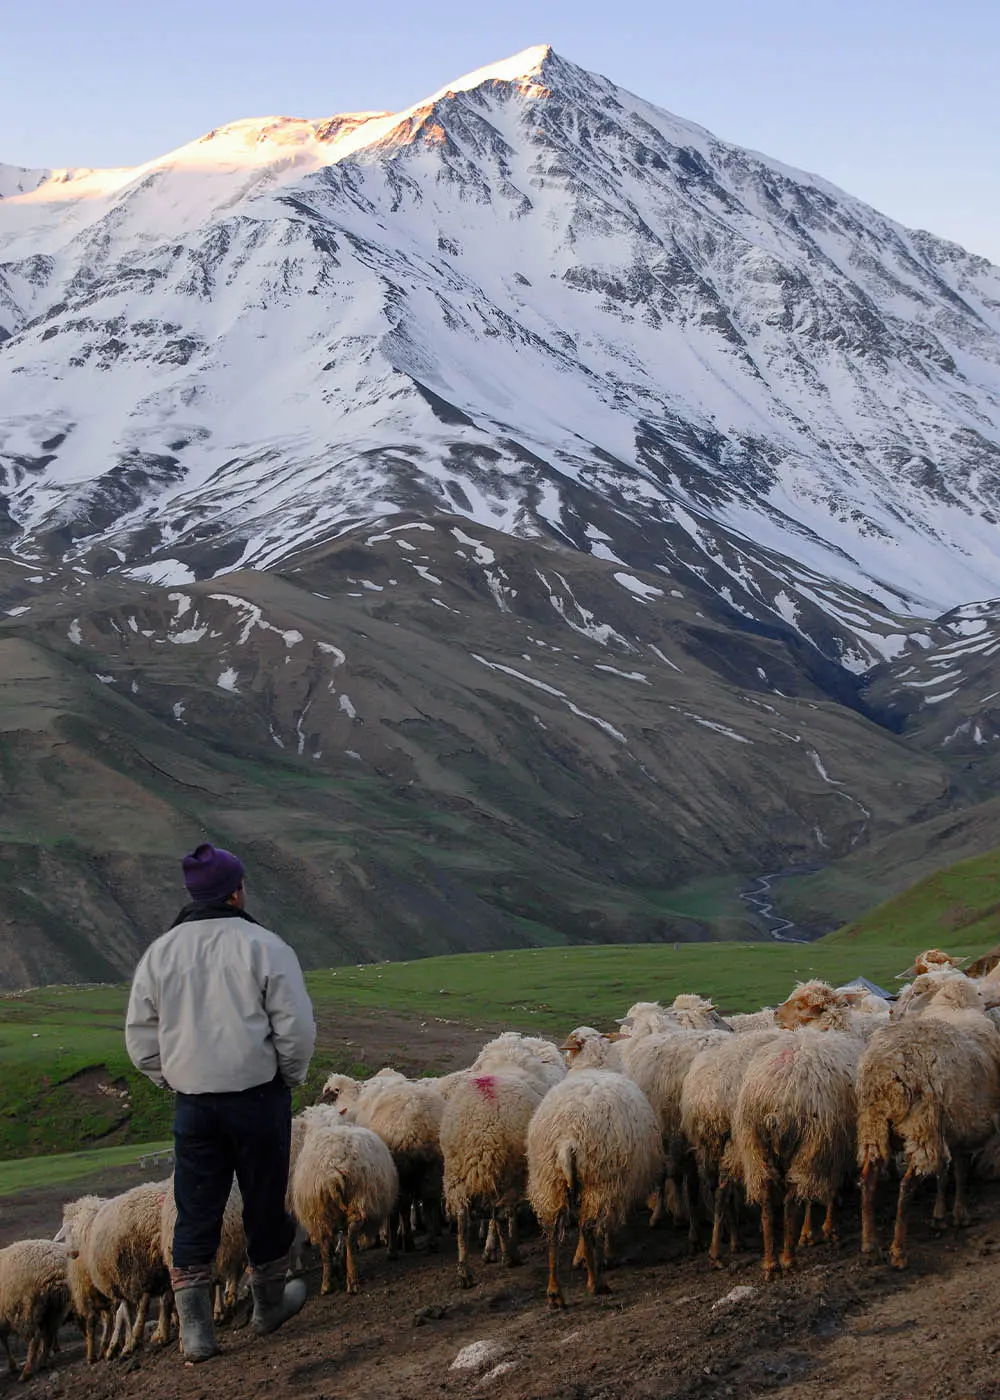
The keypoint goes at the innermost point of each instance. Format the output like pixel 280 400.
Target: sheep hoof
pixel 353 1287
pixel 555 1299
pixel 465 1279
pixel 898 1259
pixel 939 1225
pixel 770 1272
pixel 787 1262
pixel 600 1289
pixel 714 1262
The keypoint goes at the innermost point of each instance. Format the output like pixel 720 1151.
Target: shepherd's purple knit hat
pixel 212 874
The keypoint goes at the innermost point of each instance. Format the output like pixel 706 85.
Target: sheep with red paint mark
pixel 484 1131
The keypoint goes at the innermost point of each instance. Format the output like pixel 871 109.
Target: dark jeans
pixel 217 1135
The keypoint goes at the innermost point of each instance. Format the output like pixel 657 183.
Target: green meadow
pixel 59 1045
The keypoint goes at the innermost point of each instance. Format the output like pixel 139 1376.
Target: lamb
pixel 928 1085
pixel 344 1180
pixel 594 1152
pixel 815 1005
pixel 793 1130
pixel 708 1098
pixel 34 1299
pixel 119 1246
pixel 231 1259
pixel 659 1064
pixel 483 1142
pixel 407 1114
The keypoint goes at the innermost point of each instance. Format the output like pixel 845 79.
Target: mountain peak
pixel 529 63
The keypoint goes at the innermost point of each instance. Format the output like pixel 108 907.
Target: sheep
pixel 587 1048
pixel 407 1114
pixel 231 1258
pixel 527 1054
pixel 646 1018
pixel 928 1085
pixel 659 1064
pixel 708 1098
pixel 746 1022
pixel 119 1246
pixel 594 1152
pixel 931 960
pixel 793 1129
pixel 817 1006
pixel 34 1299
pixel 90 1305
pixel 697 1013
pixel 344 1179
pixel 483 1134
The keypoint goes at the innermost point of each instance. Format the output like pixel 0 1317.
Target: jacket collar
pixel 197 913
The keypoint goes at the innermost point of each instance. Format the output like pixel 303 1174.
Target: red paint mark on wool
pixel 487 1086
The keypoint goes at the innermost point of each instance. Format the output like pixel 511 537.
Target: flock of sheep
pixel 681 1110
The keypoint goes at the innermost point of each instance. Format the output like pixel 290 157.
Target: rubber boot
pixel 274 1299
pixel 195 1313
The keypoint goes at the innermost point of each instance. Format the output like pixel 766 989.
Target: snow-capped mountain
pixel 534 301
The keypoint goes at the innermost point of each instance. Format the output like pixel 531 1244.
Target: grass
pixel 51 1036
pixel 66 1167
pixel 958 904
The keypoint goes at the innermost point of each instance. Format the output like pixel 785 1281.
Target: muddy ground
pixel 836 1329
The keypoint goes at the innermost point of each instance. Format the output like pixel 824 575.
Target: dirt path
pixel 837 1330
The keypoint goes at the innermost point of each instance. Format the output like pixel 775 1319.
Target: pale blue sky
pixel 896 100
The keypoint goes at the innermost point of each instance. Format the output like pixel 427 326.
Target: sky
pixel 896 102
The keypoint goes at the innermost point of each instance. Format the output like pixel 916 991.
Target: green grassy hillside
pixel 67 1084
pixel 960 904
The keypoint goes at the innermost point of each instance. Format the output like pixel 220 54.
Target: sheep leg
pixel 691 1191
pixel 592 1259
pixel 578 1256
pixel 34 1346
pixel 655 1203
pixel 960 1211
pixel 161 1337
pixel 767 1214
pixel 432 1220
pixel 218 1304
pixel 90 1337
pixel 897 1253
pixel 723 1192
pixel 491 1249
pixel 869 1186
pixel 326 1253
pixel 790 1227
pixel 554 1293
pixel 509 1242
pixel 830 1234
pixel 11 1364
pixel 137 1336
pixel 464 1225
pixel 806 1237
pixel 350 1257
pixel 940 1217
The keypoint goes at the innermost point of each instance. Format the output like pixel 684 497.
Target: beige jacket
pixel 219 1005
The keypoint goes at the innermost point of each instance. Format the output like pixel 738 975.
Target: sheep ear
pixel 617 1035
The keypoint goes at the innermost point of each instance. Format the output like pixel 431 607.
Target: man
pixel 220 1014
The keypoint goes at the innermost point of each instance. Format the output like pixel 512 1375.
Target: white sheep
pixel 587 1048
pixel 793 1130
pixel 231 1258
pixel 659 1064
pixel 594 1153
pixel 527 1053
pixel 119 1248
pixel 344 1180
pixel 90 1305
pixel 34 1299
pixel 928 1085
pixel 646 1018
pixel 696 1013
pixel 817 1006
pixel 406 1114
pixel 708 1097
pixel 484 1131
